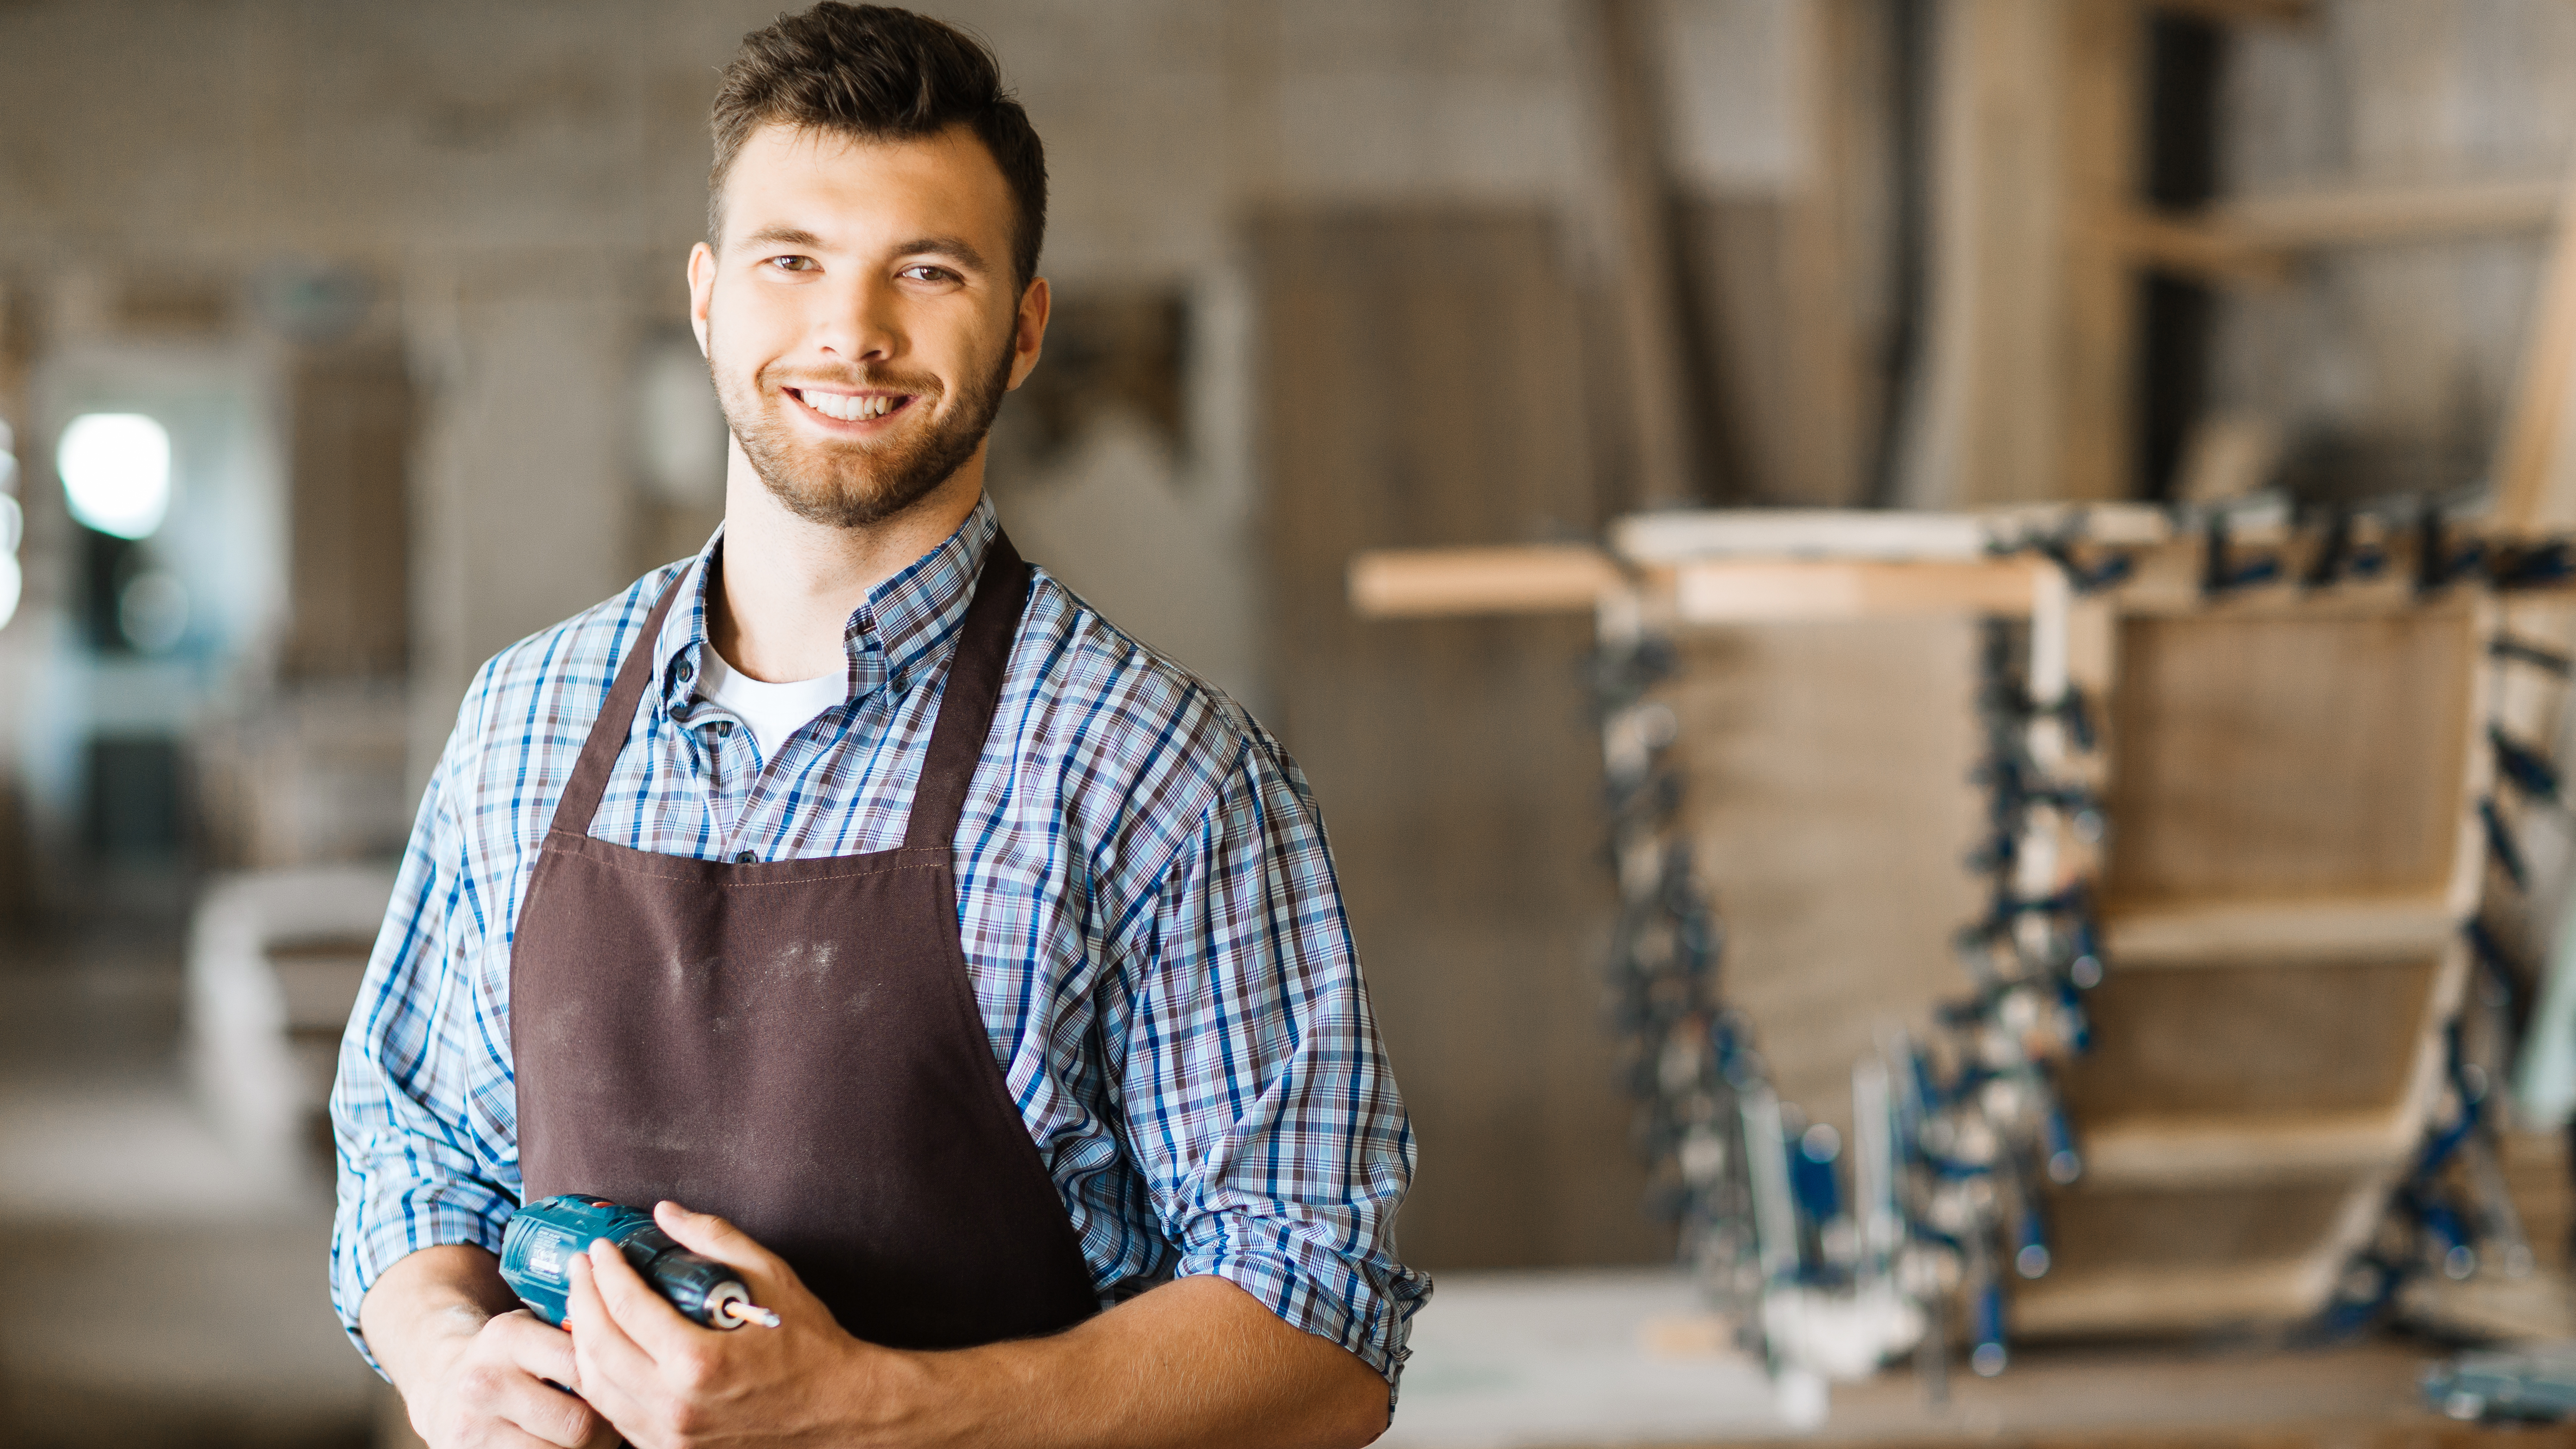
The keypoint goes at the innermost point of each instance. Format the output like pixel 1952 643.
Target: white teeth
pixel 849 409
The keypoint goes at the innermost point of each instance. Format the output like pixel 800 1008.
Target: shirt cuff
pixel 383 1231
pixel 1366 1306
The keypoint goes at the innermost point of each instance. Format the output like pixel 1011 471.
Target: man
pixel 971 979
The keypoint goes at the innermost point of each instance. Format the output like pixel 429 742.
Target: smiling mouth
pixel 848 407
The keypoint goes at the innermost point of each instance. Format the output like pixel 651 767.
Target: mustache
pixel 919 384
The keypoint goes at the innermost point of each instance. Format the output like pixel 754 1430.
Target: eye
pixel 926 272
pixel 792 263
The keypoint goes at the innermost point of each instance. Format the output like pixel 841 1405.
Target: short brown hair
pixel 876 73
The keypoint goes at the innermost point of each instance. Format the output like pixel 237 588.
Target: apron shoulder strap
pixel 956 739
pixel 974 691
pixel 589 781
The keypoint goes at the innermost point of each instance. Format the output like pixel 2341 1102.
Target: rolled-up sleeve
pixel 422 1109
pixel 1255 1091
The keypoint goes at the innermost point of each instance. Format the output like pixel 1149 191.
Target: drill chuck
pixel 542 1239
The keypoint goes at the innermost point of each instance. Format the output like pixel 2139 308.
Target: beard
pixel 854 484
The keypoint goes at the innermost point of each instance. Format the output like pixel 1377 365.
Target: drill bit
pixel 752 1313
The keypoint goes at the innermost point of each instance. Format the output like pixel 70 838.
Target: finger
pixel 536 1345
pixel 602 1332
pixel 552 1415
pixel 713 1237
pixel 500 1391
pixel 773 1284
pixel 646 1316
pixel 614 1371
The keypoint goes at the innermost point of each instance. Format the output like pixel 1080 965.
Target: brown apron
pixel 796 1045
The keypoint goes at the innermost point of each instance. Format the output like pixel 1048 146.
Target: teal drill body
pixel 538 1247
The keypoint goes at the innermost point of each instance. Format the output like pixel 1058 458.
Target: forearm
pixel 1194 1362
pixel 424 1310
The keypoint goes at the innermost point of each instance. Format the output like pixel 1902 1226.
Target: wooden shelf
pixel 1437 582
pixel 2242 933
pixel 1431 583
pixel 2257 238
pixel 1692 535
pixel 2229 1151
pixel 2170 1301
pixel 1748 591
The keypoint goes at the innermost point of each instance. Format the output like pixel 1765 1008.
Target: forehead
pixel 856 192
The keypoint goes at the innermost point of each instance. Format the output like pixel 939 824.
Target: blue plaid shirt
pixel 1147 907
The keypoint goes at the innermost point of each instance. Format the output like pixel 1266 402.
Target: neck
pixel 789 585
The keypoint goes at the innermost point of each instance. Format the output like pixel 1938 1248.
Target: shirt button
pixel 747 857
pixel 724 727
pixel 685 672
pixel 900 683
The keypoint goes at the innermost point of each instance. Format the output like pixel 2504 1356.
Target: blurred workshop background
pixel 343 342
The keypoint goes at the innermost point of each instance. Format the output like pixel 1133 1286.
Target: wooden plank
pixel 1660 444
pixel 1790 733
pixel 1747 591
pixel 2255 240
pixel 1788 286
pixel 2535 491
pixel 1425 583
pixel 2022 393
pixel 2272 757
pixel 2368 215
pixel 2103 1229
pixel 2287 931
pixel 2160 1300
pixel 1413 354
pixel 1847 564
pixel 2235 1149
pixel 1684 535
pixel 2093 375
pixel 2256 1040
pixel 2191 248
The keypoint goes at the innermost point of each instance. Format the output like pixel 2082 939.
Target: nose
pixel 859 323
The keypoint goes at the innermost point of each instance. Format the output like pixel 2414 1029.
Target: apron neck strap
pixel 974 691
pixel 589 781
pixel 956 741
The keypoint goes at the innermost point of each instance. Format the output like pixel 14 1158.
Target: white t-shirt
pixel 772 711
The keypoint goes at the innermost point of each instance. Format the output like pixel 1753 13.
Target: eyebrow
pixel 784 236
pixel 955 248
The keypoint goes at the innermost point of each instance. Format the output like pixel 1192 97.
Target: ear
pixel 1029 331
pixel 702 291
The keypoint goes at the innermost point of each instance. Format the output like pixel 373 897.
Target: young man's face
pixel 860 315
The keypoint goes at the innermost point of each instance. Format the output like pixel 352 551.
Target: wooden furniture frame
pixel 2294 778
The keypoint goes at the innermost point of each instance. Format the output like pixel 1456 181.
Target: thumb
pixel 773 1284
pixel 713 1237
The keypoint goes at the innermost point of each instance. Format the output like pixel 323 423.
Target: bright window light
pixel 9 581
pixel 116 472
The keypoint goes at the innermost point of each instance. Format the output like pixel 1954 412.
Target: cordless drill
pixel 541 1241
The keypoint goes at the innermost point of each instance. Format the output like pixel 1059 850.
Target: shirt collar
pixel 904 624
